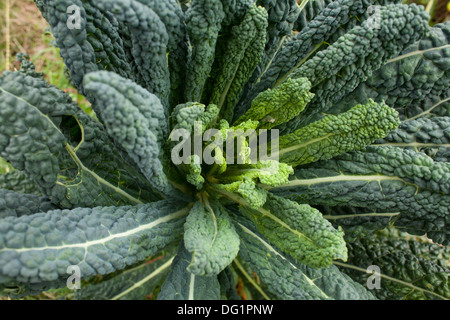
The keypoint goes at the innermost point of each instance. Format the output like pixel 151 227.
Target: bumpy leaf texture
pixel 288 279
pixel 184 285
pixel 65 152
pixel 411 267
pixel 358 89
pixel 385 179
pixel 35 250
pixel 416 83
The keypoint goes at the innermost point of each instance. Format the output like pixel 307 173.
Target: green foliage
pixel 105 194
pixel 210 238
pixel 412 267
pixel 289 279
pixel 331 70
pixel 239 57
pixel 100 240
pixel 334 135
pixel 429 135
pixel 416 83
pixel 203 20
pixel 19 204
pixel 382 179
pixel 184 285
pixel 299 231
pixel 274 107
pixel 72 160
pixel 135 283
pixel 122 106
pixel 18 181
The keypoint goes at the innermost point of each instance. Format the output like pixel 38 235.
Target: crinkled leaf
pixel 35 250
pixel 149 41
pixel 183 285
pixel 337 70
pixel 18 181
pixel 382 179
pixel 274 107
pixel 136 125
pixel 290 280
pixel 243 49
pixel 95 45
pixel 298 230
pixel 204 19
pixel 64 151
pixel 132 284
pixel 210 237
pixel 413 273
pixel 431 136
pixel 416 82
pixel 18 204
pixel 334 135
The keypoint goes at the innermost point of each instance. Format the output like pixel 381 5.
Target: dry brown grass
pixel 26 33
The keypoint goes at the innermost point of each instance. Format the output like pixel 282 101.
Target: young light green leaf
pixel 334 135
pixel 298 230
pixel 274 107
pixel 88 38
pixel 210 237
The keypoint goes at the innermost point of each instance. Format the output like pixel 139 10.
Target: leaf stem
pixel 213 217
pixel 406 284
pixel 144 280
pixel 373 214
pixel 97 177
pixel 249 279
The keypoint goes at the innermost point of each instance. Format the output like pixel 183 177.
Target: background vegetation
pixel 23 29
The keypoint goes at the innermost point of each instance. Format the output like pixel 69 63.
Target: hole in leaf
pixel 71 129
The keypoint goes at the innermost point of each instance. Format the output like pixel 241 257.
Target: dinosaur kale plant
pixel 150 197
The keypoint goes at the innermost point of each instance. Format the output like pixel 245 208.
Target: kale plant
pixel 358 91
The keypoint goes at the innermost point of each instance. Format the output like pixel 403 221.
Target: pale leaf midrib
pixel 414 144
pixel 144 280
pixel 271 249
pixel 407 284
pixel 250 280
pixel 338 178
pixel 428 111
pixel 417 52
pixel 191 287
pixel 302 145
pixel 371 214
pixel 85 245
pixel 269 215
pixel 72 152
